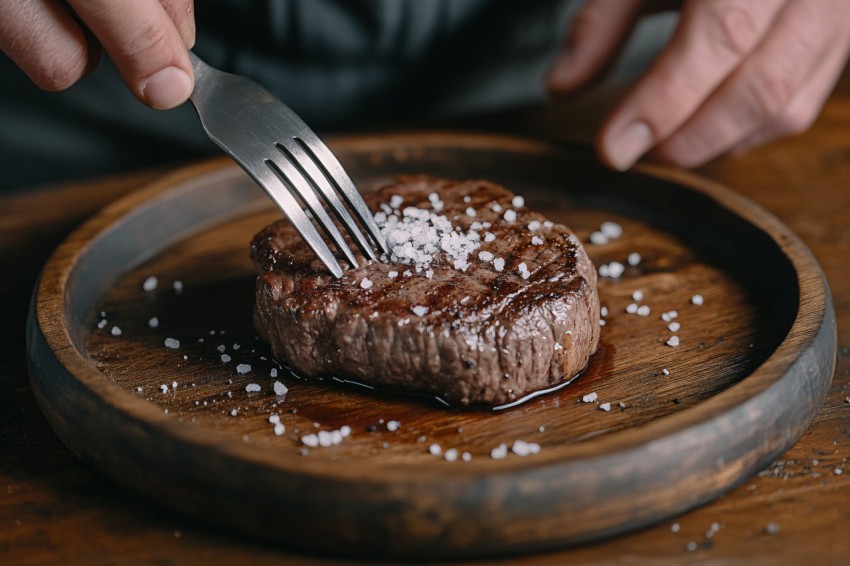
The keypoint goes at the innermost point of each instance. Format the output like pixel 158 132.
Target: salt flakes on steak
pixel 419 310
pixel 365 283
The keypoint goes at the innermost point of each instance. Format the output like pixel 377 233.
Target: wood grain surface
pixel 54 509
pixel 180 426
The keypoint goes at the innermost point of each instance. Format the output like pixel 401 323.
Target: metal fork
pixel 286 158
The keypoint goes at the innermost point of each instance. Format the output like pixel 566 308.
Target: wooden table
pixel 54 509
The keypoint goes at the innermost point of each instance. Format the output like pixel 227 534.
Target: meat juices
pixel 513 311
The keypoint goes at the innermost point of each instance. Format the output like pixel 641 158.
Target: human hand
pixel 735 74
pixel 57 43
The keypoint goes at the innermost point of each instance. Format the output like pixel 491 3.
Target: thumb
pixel 596 35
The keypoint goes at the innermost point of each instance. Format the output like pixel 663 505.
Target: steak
pixel 482 301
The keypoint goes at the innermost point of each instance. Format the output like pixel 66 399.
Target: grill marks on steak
pixel 511 336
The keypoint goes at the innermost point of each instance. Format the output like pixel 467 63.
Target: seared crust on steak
pixel 488 337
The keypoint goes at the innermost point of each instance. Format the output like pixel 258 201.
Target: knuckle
pixel 61 70
pixel 731 28
pixel 152 42
pixel 769 90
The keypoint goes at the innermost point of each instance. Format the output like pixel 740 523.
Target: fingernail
pixel 626 148
pixel 167 88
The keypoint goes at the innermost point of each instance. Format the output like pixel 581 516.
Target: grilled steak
pixel 483 300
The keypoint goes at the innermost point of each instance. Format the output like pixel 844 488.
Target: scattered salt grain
pixel 536 241
pixel 674 326
pixel 837 471
pixel 164 388
pixel 172 343
pixel 605 406
pixel 253 388
pixel 697 300
pixel 153 322
pixel 225 358
pixel 497 208
pixel 673 341
pixel 310 440
pixel 116 331
pixel 522 269
pixel 221 348
pixel 675 527
pixel 279 429
pixel 522 448
pixel 466 456
pixel 633 259
pixel 637 295
pixel 419 310
pixel 139 389
pixel 396 201
pixel 365 283
pixel 467 199
pixel 509 216
pixel 470 212
pixel 601 322
pixel 392 274
pixel 435 449
pixel 499 452
pixel 771 528
pixel 518 202
pixel 692 546
pixel 236 346
pixel 534 225
pixel 234 412
pixel 273 372
pixel 450 455
pixel 499 264
pixel 590 397
pixel 669 316
pixel 489 237
pixel 632 308
pixel 102 323
pixel 643 310
pixel 280 389
pixel 178 286
pixel 392 426
pixel 612 230
pixel 243 368
pixel 598 238
pixel 603 311
pixel 485 256
pixel 150 283
pixel 665 371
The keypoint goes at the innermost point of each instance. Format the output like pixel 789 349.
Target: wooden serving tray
pixel 753 366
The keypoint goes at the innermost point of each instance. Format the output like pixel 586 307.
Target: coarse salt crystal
pixel 150 283
pixel 164 388
pixel 419 310
pixel 280 388
pixel 615 269
pixel 102 323
pixel 611 229
pixel 396 201
pixel 674 326
pixel 221 348
pixel 345 431
pixel 537 241
pixel 598 239
pixel 632 308
pixel 174 385
pixel 637 295
pixel 466 456
pixel 675 527
pixel 522 448
pixel 225 358
pixel 467 199
pixel 450 455
pixel 605 406
pixel 485 256
pixel 590 397
pixel 669 315
pixel 172 343
pixel 243 368
pixel 643 310
pixel 435 449
pixel 603 310
pixel 673 341
pixel 633 259
pixel 489 237
pixel 178 286
pixel 465 300
pixel 697 300
pixel 604 271
pixel 234 412
pixel 498 264
pixel 518 202
pixel 665 371
pixel 601 322
pixel 279 429
pixel 534 225
pixel 253 388
pixel 310 440
pixel 392 426
pixel 153 322
pixel 116 331
pixel 509 216
pixel 273 372
pixel 365 283
pixel 497 208
pixel 392 274
pixel 499 452
pixel 470 211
